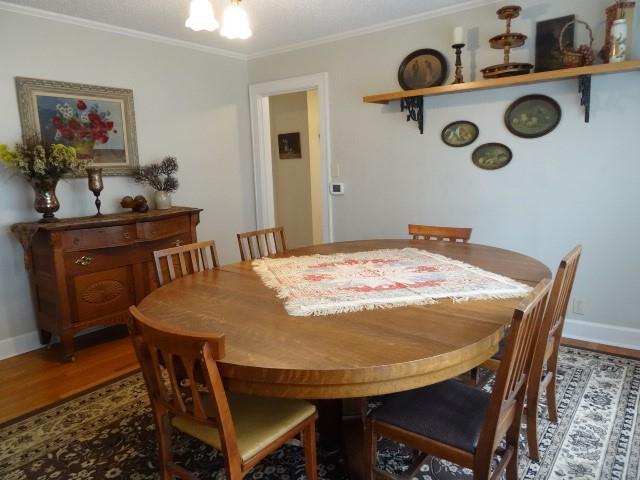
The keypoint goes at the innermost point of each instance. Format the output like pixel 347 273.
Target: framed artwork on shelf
pixel 491 156
pixel 460 133
pixel 289 145
pixel 533 116
pixel 422 69
pixel 99 122
pixel 548 52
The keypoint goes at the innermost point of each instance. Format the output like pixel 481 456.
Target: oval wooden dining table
pixel 348 356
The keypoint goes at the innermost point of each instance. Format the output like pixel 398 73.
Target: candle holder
pixel 458 76
pixel 94 175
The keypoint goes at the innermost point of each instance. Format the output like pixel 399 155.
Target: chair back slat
pixel 261 243
pixel 203 257
pixel 429 232
pixel 507 398
pixel 180 371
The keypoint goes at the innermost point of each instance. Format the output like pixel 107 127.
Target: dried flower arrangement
pixel 159 176
pixel 37 162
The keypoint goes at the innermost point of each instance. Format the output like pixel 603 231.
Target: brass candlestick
pixel 95 185
pixel 458 76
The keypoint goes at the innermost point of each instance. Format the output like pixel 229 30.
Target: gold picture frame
pixel 98 121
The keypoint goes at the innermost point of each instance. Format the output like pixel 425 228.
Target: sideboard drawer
pixel 172 241
pixel 163 228
pixel 86 239
pixel 86 261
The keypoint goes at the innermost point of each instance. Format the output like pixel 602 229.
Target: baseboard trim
pixel 623 337
pixel 12 346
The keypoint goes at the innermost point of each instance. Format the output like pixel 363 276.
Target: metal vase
pixel 46 201
pixel 94 175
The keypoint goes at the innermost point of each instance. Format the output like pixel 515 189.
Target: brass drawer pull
pixel 126 236
pixel 84 260
pixel 178 243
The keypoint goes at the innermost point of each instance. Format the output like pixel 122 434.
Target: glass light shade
pixel 201 16
pixel 235 22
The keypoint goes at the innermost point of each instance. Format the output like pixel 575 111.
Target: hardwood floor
pixel 36 379
pixel 39 378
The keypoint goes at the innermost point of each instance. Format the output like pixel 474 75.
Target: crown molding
pixel 105 27
pixel 440 12
pixel 81 22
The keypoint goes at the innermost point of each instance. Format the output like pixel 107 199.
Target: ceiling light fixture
pixel 201 16
pixel 235 22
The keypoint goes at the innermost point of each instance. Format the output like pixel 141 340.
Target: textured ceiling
pixel 276 23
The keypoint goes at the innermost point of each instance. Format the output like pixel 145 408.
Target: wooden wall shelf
pixel 412 100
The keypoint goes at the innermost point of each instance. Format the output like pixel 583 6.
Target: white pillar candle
pixel 458 35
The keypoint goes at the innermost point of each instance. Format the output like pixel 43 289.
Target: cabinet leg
pixel 67 347
pixel 45 337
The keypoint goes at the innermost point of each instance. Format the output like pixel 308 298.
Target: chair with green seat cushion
pixel 186 392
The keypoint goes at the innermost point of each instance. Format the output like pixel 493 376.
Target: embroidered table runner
pixel 351 282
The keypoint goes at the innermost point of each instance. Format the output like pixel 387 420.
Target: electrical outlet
pixel 578 306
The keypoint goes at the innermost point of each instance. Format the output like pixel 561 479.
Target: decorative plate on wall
pixel 532 116
pixel 460 133
pixel 422 69
pixel 491 156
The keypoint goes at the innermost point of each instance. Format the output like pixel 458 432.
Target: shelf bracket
pixel 415 110
pixel 584 88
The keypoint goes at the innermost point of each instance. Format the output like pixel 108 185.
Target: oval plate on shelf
pixel 460 133
pixel 533 116
pixel 491 156
pixel 422 69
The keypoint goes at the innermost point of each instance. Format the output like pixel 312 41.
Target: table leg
pixel 341 428
pixel 354 441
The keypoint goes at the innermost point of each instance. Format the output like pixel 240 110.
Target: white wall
pixel 578 184
pixel 291 176
pixel 190 104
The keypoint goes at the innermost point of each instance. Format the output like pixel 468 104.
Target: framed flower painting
pixel 99 122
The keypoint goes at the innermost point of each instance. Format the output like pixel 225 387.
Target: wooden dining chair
pixel 428 232
pixel 244 428
pixel 262 243
pixel 201 256
pixel 459 422
pixel 547 349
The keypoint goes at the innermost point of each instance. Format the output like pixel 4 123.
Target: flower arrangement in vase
pixel 43 166
pixel 160 177
pixel 82 126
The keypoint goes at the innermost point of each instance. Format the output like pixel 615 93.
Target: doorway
pixel 289 121
pixel 295 162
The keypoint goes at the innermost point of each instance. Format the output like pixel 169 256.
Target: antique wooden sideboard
pixel 87 271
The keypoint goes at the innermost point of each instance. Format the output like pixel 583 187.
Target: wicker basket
pixel 577 57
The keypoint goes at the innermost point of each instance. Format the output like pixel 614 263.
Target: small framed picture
pixel 460 133
pixel 533 116
pixel 491 156
pixel 289 145
pixel 99 122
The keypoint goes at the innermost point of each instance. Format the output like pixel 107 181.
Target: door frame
pixel 259 94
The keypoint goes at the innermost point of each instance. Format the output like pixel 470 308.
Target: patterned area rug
pixel 108 433
pixel 350 282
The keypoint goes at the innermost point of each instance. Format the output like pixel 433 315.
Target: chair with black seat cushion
pixel 463 424
pixel 430 232
pixel 547 349
pixel 261 243
pixel 186 392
